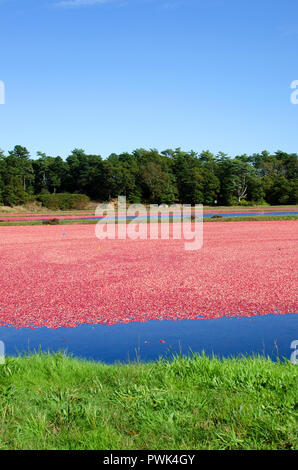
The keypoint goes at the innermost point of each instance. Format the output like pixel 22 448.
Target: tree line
pixel 150 176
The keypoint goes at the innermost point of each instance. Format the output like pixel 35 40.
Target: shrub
pixel 244 203
pixel 51 222
pixel 63 201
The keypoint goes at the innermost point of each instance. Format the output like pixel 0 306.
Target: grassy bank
pixel 56 402
pixel 209 219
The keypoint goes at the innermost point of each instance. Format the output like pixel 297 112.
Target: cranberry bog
pixel 208 213
pixel 89 215
pixel 61 287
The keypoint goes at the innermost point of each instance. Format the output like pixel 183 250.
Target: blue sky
pixel 111 76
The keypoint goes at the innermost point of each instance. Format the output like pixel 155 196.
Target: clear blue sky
pixel 111 76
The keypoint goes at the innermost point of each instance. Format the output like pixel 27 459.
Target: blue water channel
pixel 270 335
pixel 205 216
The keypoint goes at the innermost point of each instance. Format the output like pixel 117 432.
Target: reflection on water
pixel 266 334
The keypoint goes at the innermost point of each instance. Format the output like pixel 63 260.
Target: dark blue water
pixel 222 214
pixel 269 335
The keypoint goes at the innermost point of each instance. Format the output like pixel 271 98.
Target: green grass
pixel 92 222
pixel 57 402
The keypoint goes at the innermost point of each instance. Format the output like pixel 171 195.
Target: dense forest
pixel 152 177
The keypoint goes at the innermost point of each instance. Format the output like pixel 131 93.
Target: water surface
pixel 227 336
